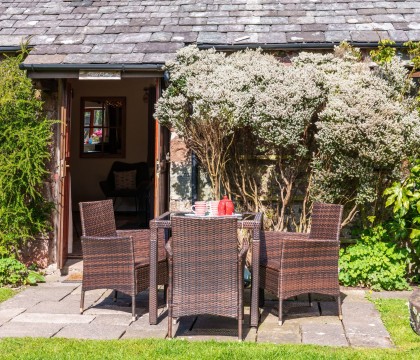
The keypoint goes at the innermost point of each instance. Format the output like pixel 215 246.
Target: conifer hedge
pixel 25 140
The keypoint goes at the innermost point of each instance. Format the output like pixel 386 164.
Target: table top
pixel 246 220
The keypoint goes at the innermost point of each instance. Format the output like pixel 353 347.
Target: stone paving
pixel 52 310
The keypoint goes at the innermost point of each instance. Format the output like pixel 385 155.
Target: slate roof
pixel 150 31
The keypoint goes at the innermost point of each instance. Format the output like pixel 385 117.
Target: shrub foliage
pixel 375 261
pixel 25 138
pixel 334 129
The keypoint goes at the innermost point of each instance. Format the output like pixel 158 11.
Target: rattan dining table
pixel 250 221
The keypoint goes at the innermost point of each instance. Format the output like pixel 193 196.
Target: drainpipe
pixel 194 178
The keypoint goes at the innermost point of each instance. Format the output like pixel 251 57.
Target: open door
pixel 162 134
pixel 64 206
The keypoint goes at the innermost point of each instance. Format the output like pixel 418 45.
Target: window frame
pixel 101 154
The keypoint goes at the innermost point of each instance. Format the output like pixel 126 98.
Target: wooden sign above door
pixel 99 75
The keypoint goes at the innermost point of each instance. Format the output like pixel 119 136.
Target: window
pixel 103 125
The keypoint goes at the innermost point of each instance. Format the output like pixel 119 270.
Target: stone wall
pixel 180 193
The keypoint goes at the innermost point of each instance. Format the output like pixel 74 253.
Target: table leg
pixel 255 314
pixel 153 291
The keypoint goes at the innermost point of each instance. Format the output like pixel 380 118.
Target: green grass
pixel 394 314
pixel 6 293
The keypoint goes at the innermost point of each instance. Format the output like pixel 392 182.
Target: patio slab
pixel 91 331
pixel 18 329
pixel 324 334
pixel 270 331
pixel 52 310
pixel 113 320
pixel 7 314
pixel 52 318
pixel 55 307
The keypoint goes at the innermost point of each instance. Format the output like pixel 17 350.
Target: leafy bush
pixel 25 137
pixel 375 262
pixel 333 129
pixel 14 273
pixel 404 197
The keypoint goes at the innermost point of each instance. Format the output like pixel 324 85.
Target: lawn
pixel 394 314
pixel 6 293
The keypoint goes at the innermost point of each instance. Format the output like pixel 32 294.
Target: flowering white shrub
pixel 337 130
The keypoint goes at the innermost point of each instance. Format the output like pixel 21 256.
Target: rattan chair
pixel 141 187
pixel 292 264
pixel 115 259
pixel 205 269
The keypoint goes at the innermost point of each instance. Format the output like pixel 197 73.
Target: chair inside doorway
pixel 129 180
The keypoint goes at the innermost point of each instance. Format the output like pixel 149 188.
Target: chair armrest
pixel 271 244
pixel 294 236
pixel 300 252
pixel 109 252
pixel 141 241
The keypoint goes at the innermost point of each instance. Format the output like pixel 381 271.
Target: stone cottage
pixel 96 57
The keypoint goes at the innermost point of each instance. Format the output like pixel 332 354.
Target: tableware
pixel 213 206
pixel 199 208
pixel 226 206
pixel 238 216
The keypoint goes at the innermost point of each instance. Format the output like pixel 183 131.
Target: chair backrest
pixel 326 221
pixel 142 171
pixel 97 218
pixel 205 274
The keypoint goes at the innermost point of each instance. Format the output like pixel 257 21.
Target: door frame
pixel 64 213
pixel 161 176
pixel 162 163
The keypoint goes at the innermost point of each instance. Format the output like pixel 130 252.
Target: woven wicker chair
pixel 115 259
pixel 294 263
pixel 205 269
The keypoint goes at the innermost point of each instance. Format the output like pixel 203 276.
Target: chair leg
pixel 82 301
pixel 133 307
pixel 280 312
pixel 309 299
pixel 115 295
pixel 170 299
pixel 340 312
pixel 240 298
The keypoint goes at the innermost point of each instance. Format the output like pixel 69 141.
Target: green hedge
pixel 25 139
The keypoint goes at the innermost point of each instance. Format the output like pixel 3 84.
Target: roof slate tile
pixel 113 49
pixel 398 35
pixel 102 31
pixel 306 36
pixel 133 38
pixel 87 58
pixel 127 58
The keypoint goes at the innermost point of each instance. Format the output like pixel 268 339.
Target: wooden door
pixel 162 134
pixel 64 206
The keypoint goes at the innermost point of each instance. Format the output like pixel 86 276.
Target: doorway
pixel 111 122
